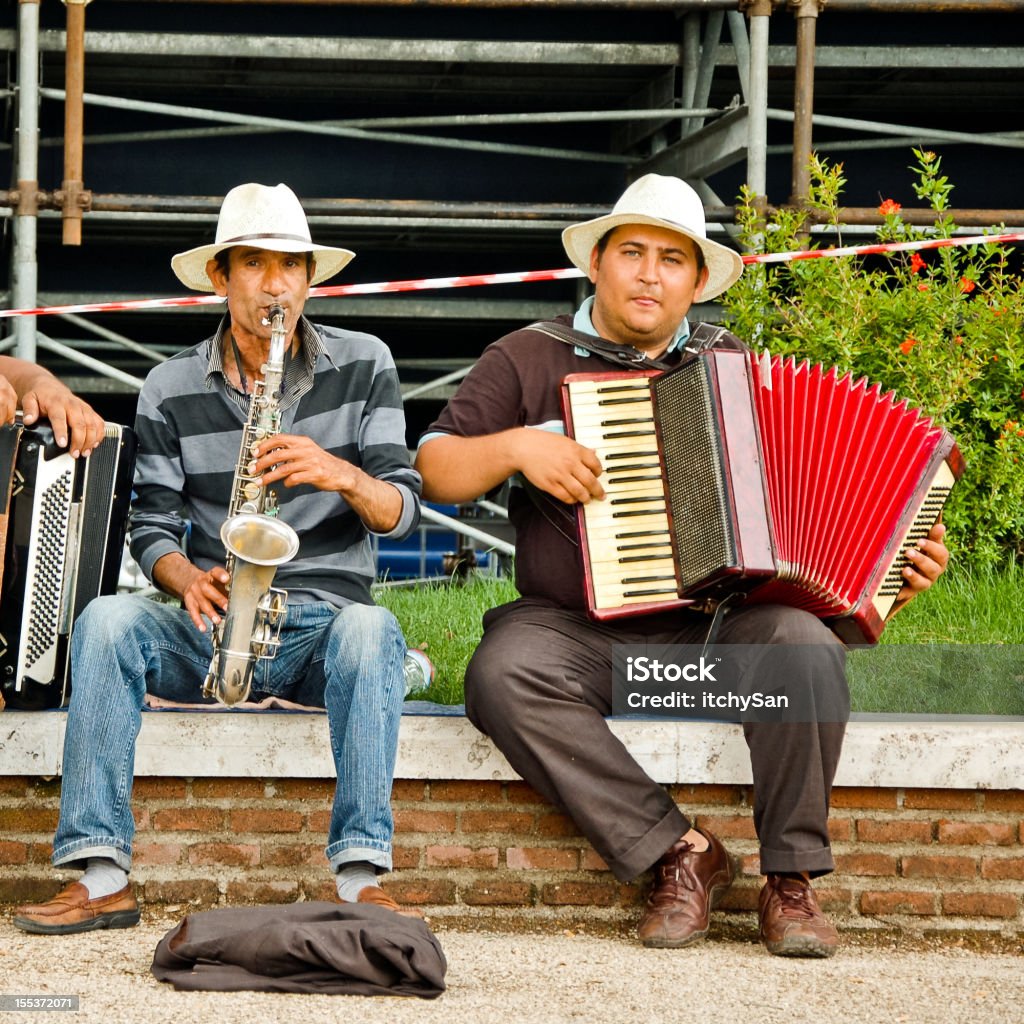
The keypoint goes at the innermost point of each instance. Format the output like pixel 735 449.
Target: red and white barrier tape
pixel 512 277
pixel 880 247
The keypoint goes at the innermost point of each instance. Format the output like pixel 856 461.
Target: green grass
pixel 445 621
pixel 965 607
pixel 955 650
pixel 959 649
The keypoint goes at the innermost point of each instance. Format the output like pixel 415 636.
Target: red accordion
pixel 735 473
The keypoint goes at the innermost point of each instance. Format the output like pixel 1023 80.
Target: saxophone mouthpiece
pixel 274 312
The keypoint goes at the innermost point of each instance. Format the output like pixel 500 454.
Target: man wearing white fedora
pixel 342 468
pixel 540 682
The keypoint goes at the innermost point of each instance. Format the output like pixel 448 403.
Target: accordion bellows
pixel 738 473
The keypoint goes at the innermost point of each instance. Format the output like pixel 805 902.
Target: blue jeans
pixel 347 661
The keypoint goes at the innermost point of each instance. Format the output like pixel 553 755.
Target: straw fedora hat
pixel 664 202
pixel 263 217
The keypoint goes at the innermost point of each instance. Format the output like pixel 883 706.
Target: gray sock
pixel 352 878
pixel 103 877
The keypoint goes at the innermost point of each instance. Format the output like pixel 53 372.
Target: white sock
pixel 353 878
pixel 103 877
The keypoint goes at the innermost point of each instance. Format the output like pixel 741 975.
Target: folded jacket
pixel 328 948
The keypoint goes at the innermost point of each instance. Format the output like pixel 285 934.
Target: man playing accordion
pixel 540 682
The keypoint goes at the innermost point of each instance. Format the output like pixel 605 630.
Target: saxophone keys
pixel 273 606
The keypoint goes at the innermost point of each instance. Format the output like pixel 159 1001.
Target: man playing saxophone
pixel 338 465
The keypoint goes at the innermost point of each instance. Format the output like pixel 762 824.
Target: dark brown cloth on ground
pixel 325 948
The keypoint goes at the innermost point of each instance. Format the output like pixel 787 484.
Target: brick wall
pixel 918 859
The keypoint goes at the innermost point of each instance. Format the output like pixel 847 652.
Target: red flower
pixel 967 285
pixel 922 287
pixel 916 263
pixel 908 345
pixel 889 206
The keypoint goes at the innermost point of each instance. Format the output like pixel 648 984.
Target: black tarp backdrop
pixel 119 257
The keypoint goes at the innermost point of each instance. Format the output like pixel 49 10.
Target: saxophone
pixel 256 541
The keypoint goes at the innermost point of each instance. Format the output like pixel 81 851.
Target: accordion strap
pixel 706 336
pixel 702 337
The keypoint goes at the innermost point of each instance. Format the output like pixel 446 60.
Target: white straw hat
pixel 265 218
pixel 665 202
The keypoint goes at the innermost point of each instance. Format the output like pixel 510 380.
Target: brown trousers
pixel 540 686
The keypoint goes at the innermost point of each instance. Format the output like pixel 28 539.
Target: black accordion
pixel 64 522
pixel 743 474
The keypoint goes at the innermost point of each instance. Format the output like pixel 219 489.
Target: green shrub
pixel 942 328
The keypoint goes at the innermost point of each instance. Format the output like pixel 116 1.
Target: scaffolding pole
pixel 315 128
pixel 494 543
pixel 74 198
pixel 806 14
pixel 910 131
pixel 103 369
pixel 24 269
pixel 759 12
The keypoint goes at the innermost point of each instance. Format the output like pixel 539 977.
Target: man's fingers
pixel 8 401
pixel 573 491
pixel 207 596
pixel 78 435
pixel 589 486
pixel 936 550
pixel 87 430
pixel 60 427
pixel 924 570
pixel 589 459
pixel 30 410
pixel 195 616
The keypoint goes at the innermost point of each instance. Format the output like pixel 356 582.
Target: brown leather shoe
pixel 379 898
pixel 792 923
pixel 72 911
pixel 686 886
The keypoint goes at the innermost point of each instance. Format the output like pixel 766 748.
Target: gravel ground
pixel 548 979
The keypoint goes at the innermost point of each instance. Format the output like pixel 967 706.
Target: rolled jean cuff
pixel 76 854
pixel 814 862
pixel 340 854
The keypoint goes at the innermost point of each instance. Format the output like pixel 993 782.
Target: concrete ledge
pixel 937 753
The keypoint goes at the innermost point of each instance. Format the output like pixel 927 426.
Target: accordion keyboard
pixel 629 546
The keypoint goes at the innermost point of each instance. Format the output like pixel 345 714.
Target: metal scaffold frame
pixel 710 137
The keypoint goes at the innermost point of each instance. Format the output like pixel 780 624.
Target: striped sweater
pixel 342 391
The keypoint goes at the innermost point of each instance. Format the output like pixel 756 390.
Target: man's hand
pixel 8 401
pixel 295 460
pixel 929 560
pixel 202 593
pixel 206 595
pixel 66 413
pixel 559 465
pixel 456 469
